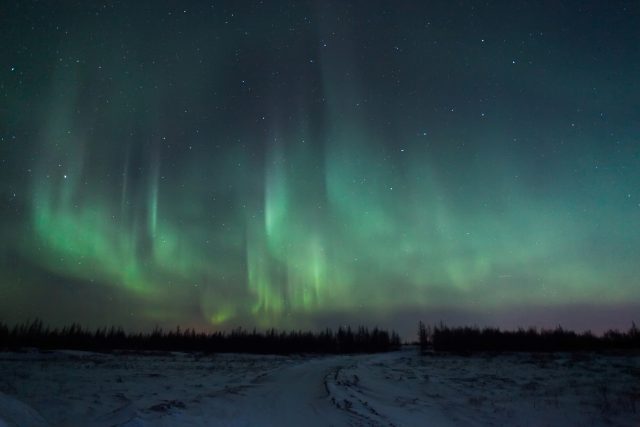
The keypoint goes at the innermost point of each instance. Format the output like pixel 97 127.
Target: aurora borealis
pixel 299 164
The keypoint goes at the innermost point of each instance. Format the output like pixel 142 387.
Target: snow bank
pixel 15 413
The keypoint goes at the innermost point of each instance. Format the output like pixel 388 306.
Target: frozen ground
pixel 399 389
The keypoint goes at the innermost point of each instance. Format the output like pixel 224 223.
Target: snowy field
pixel 395 389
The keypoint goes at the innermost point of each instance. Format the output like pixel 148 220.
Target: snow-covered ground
pixel 401 389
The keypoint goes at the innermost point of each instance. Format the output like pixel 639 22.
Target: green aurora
pixel 239 165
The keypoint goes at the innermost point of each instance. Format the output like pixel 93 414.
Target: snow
pixel 402 388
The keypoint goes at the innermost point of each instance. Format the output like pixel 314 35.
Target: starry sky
pixel 303 164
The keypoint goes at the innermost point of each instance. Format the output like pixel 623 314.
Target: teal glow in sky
pixel 303 164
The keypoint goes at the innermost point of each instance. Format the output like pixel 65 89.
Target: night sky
pixel 307 164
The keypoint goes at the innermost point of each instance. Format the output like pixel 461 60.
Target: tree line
pixel 474 339
pixel 345 340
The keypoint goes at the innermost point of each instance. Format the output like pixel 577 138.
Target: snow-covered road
pixel 395 389
pixel 293 395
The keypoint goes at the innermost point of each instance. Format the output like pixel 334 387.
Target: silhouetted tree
pixel 468 339
pixel 35 334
